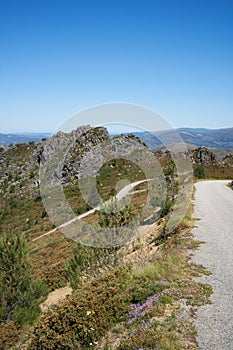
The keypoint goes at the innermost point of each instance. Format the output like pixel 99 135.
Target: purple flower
pixel 138 310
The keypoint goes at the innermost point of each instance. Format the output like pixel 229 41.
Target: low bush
pixel 157 336
pixel 9 335
pixel 82 319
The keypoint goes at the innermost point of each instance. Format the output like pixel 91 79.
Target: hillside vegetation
pixel 136 296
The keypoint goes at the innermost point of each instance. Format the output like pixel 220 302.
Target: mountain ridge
pixel 214 138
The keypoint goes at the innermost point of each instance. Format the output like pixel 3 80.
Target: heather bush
pixel 159 336
pixel 9 335
pixel 82 319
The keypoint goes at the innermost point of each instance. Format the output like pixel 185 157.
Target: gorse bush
pixel 82 319
pixel 135 305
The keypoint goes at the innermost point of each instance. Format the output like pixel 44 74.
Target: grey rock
pixel 203 155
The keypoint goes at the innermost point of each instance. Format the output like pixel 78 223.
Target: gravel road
pixel 214 206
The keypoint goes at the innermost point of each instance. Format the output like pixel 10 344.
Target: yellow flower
pixel 89 313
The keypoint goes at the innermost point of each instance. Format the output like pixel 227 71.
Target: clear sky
pixel 58 57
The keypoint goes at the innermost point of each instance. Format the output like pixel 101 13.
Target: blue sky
pixel 59 57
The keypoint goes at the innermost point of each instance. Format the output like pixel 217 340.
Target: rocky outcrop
pixel 82 152
pixel 228 160
pixel 67 157
pixel 204 156
pixel 67 150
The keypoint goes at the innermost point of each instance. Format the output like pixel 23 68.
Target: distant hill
pixel 220 138
pixel 7 139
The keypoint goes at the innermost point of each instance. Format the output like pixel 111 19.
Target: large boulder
pixel 204 156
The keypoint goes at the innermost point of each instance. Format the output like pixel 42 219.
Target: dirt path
pixel 55 297
pixel 120 195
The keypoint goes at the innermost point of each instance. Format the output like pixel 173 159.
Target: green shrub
pixel 199 172
pixel 19 292
pixel 32 174
pixel 166 207
pixel 12 189
pixel 118 223
pixel 89 261
pixel 143 288
pixel 82 209
pixel 74 272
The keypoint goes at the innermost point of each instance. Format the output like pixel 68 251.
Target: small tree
pixel 74 271
pixel 116 223
pixel 169 172
pixel 199 172
pixel 86 261
pixel 19 293
pixel 115 215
